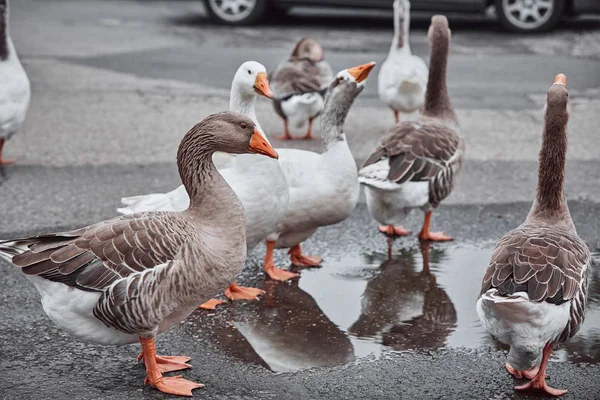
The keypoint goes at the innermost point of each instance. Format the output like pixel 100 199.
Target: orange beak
pixel 259 145
pixel 560 79
pixel 361 72
pixel 261 85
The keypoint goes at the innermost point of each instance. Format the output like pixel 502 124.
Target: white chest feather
pixel 299 109
pixel 15 94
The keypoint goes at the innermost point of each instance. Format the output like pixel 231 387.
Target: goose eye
pixel 249 72
pixel 244 125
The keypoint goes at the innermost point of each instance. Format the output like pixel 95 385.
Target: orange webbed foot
pixel 211 304
pixel 169 363
pixel 435 237
pixel 4 162
pixel 280 274
pixel 300 260
pixel 394 230
pixel 308 136
pixel 235 292
pixel 528 374
pixel 541 386
pixel 286 136
pixel 175 385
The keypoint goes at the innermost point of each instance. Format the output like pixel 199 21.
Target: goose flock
pixel 130 278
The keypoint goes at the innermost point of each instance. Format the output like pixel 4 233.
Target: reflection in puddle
pixel 357 306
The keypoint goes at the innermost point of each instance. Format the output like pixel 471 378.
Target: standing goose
pixel 415 163
pixel 403 76
pixel 133 277
pixel 299 85
pixel 14 85
pixel 258 181
pixel 534 292
pixel 323 187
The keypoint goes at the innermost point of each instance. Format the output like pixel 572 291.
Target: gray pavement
pixel 116 84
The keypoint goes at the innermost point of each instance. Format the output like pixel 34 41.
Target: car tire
pixel 230 13
pixel 528 16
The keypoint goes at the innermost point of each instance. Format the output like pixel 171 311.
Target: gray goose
pixel 416 162
pixel 133 277
pixel 16 91
pixel 534 293
pixel 299 85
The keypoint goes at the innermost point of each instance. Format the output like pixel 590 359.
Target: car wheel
pixel 529 15
pixel 236 12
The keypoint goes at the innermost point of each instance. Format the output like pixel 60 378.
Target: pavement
pixel 116 84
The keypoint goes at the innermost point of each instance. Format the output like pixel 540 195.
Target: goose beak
pixel 361 72
pixel 259 145
pixel 261 85
pixel 560 79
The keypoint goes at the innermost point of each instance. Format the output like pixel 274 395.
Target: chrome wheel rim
pixel 528 14
pixel 232 10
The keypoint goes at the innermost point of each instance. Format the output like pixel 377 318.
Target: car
pixel 514 15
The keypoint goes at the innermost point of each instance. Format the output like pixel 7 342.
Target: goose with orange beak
pixel 323 187
pixel 258 181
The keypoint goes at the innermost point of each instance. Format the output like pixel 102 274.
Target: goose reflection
pixel 406 307
pixel 289 332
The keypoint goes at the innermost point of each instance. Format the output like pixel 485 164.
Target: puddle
pixel 359 305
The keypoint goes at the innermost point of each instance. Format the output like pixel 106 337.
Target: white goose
pixel 15 90
pixel 534 293
pixel 257 181
pixel 323 187
pixel 403 76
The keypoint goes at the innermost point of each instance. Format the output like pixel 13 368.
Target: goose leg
pixel 269 266
pixel 538 383
pixel 211 304
pixel 2 160
pixel 173 384
pixel 308 135
pixel 300 260
pixel 169 363
pixel 426 234
pixel 396 116
pixel 235 292
pixel 286 133
pixel 394 230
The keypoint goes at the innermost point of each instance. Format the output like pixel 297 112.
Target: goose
pixel 16 91
pixel 415 163
pixel 534 292
pixel 323 188
pixel 299 85
pixel 258 181
pixel 403 76
pixel 130 278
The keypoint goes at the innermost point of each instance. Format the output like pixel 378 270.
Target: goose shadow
pixel 404 305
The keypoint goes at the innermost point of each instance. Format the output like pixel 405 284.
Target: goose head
pixel 439 29
pixel 308 48
pixel 250 80
pixel 557 101
pixel 228 132
pixel 348 83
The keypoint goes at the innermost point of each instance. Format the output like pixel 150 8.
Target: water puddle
pixel 359 305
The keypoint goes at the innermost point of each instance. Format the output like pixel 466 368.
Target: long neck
pixel 550 199
pixel 400 42
pixel 332 124
pixel 4 38
pixel 437 100
pixel 245 104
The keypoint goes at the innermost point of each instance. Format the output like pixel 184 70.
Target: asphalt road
pixel 116 84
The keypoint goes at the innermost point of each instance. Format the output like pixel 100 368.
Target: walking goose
pixel 133 277
pixel 534 293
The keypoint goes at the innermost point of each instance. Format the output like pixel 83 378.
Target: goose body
pixel 403 76
pixel 133 277
pixel 299 85
pixel 323 187
pixel 15 89
pixel 258 181
pixel 416 162
pixel 533 295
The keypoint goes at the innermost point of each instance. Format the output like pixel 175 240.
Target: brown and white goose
pixel 534 292
pixel 299 85
pixel 133 277
pixel 416 162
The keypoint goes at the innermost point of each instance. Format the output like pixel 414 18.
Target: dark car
pixel 515 15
